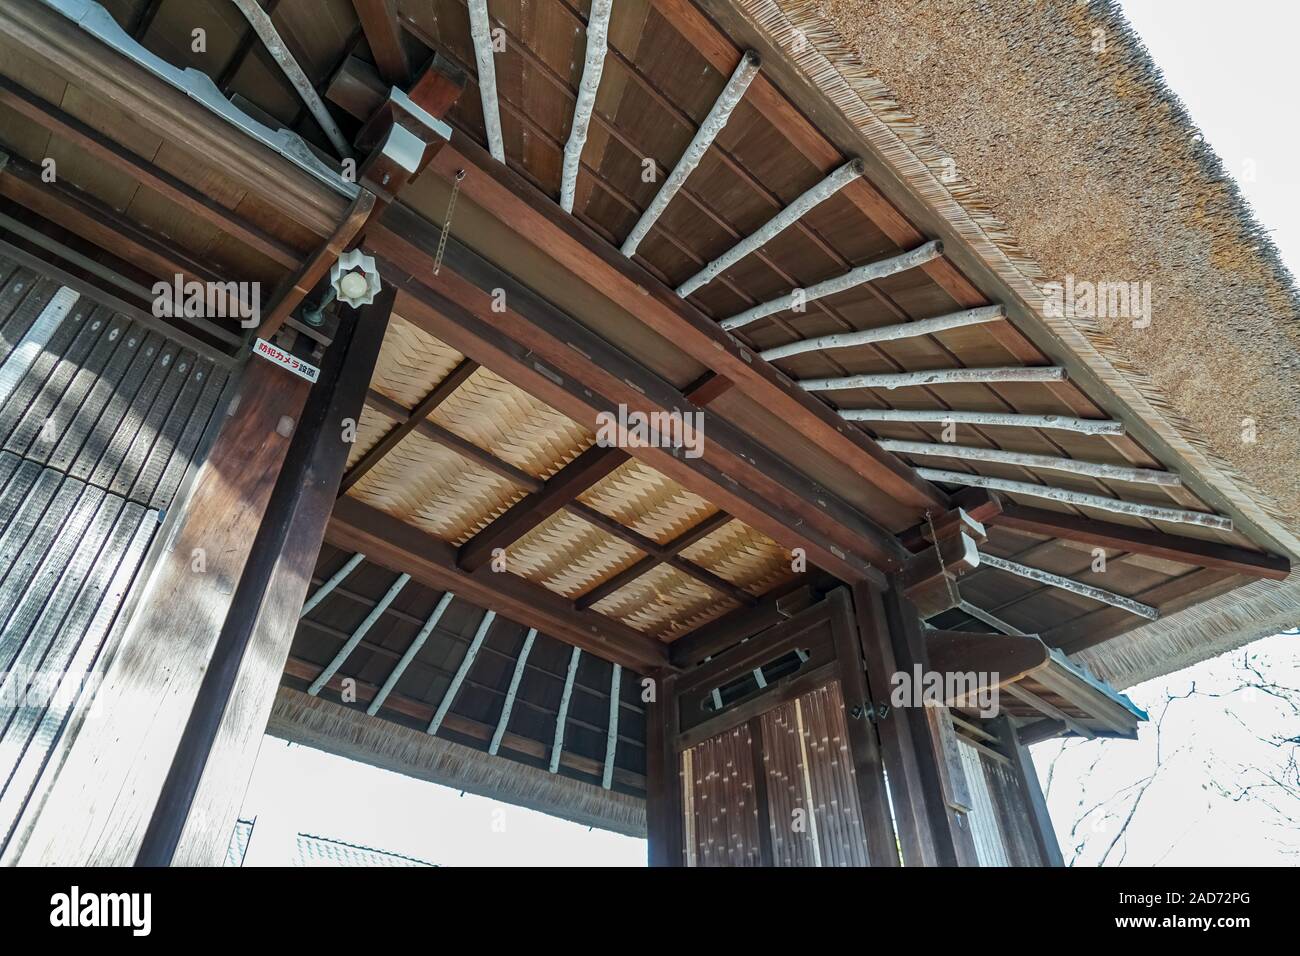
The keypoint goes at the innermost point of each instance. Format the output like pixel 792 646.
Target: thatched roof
pixel 992 116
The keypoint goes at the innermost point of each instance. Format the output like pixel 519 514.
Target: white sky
pixel 1236 68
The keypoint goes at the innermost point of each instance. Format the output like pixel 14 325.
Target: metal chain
pixel 953 593
pixel 446 221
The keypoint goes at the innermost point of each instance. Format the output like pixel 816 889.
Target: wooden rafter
pixel 384 37
pixel 1102 534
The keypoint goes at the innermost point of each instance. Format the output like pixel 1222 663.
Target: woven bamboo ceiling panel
pixel 487 445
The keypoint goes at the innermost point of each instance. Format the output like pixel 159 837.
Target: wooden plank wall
pixel 100 420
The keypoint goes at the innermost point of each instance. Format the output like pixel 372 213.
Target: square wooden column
pixel 1022 766
pixel 664 825
pixel 930 831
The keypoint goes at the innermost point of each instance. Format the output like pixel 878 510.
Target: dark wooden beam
pixel 214 761
pixel 557 492
pixel 148 175
pixel 665 827
pixel 1022 765
pixel 401 547
pixel 1102 534
pixel 449 439
pixel 717 635
pixel 94 221
pixel 60 45
pixel 384 36
pixel 1008 656
pixel 439 86
pixel 585 375
pixel 439 394
pixel 510 198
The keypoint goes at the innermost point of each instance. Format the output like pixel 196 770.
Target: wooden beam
pixel 324 591
pixel 408 655
pixel 1069 584
pixel 1071 466
pixel 94 221
pixel 611 735
pixel 562 715
pixel 350 645
pixel 1101 534
pixel 509 198
pixel 855 277
pixel 1029 698
pixel 941 376
pixel 142 171
pixel 449 439
pixel 480 31
pixel 888 333
pixel 1009 658
pixel 1022 764
pixel 437 395
pixel 592 68
pixel 558 491
pixel 466 662
pixel 583 375
pixel 384 37
pixel 1084 426
pixel 394 544
pixel 665 840
pixel 81 58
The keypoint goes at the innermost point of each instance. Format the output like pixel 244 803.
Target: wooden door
pixel 779 762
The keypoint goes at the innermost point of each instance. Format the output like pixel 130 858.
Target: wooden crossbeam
pixel 670 553
pixel 941 416
pixel 1102 534
pixel 1048 710
pixel 437 395
pixel 888 333
pixel 941 376
pixel 327 588
pixel 449 439
pixel 577 371
pixel 94 221
pixel 1068 496
pixel 1069 584
pixel 558 491
pixel 413 649
pixel 611 737
pixel 520 666
pixel 592 67
pixel 466 662
pixel 384 37
pixel 562 716
pixel 144 172
pixel 392 543
pixel 481 33
pixel 367 623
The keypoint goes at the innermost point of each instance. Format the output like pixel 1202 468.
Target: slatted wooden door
pixel 779 763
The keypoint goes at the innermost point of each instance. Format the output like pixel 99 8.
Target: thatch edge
pixel 911 152
pixel 335 729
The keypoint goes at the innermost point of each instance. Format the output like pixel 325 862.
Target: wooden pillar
pixel 210 773
pixel 930 831
pixel 1022 765
pixel 121 745
pixel 664 824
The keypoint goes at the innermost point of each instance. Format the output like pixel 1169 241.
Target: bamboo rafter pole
pixel 335 580
pixel 782 220
pixel 1084 426
pixel 1069 584
pixel 520 665
pixel 557 745
pixel 1144 476
pixel 261 23
pixel 611 737
pixel 1083 499
pixel 940 376
pixel 351 645
pixel 888 333
pixel 713 123
pixel 841 283
pixel 466 663
pixel 480 32
pixel 592 68
pixel 400 668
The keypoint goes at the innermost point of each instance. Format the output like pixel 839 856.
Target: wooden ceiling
pixel 452 448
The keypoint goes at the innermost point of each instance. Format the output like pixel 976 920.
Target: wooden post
pixel 664 824
pixel 932 833
pixel 190 825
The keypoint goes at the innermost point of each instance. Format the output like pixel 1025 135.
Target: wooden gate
pixel 778 759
